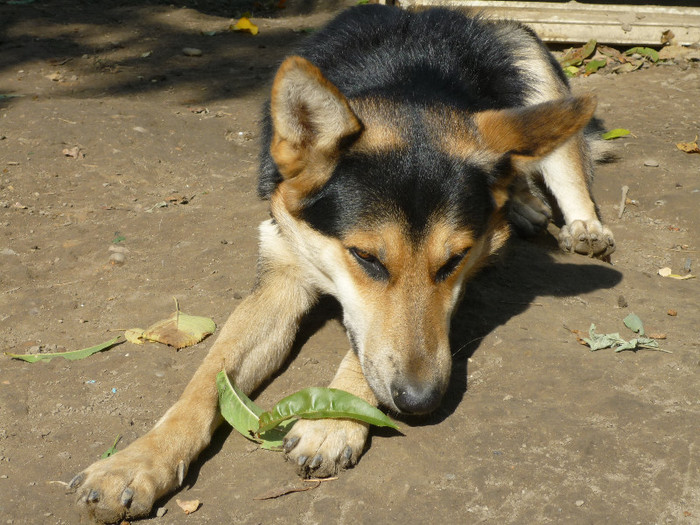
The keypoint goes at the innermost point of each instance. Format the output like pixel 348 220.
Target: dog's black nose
pixel 416 398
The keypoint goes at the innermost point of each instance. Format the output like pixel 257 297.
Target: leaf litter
pixel 592 57
pixel 596 341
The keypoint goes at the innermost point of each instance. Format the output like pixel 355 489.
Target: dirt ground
pixel 535 428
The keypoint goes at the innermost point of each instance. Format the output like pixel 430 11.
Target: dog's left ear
pixel 310 118
pixel 531 132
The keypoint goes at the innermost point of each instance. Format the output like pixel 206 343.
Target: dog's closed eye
pixel 370 264
pixel 450 266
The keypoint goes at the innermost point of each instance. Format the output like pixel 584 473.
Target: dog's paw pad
pixel 588 238
pixel 322 447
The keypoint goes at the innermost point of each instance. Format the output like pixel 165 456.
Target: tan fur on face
pixel 401 329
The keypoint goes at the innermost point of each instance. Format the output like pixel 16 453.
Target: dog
pixel 398 150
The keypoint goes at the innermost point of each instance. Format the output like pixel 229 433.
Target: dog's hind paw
pixel 125 485
pixel 322 447
pixel 588 238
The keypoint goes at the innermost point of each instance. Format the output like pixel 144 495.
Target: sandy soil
pixel 535 429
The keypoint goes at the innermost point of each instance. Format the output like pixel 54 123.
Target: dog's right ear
pixel 311 119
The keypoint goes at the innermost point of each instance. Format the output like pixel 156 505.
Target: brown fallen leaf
pixel 179 330
pixel 188 506
pixel 578 334
pixel 689 147
pixel 657 336
pixel 73 152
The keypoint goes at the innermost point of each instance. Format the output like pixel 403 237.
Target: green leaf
pixel 71 356
pixel 237 408
pixel 615 134
pixel 571 71
pixel 651 54
pixel 595 65
pixel 318 403
pixel 634 323
pixel 575 57
pixel 111 450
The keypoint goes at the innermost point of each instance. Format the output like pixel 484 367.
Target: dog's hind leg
pixel 321 447
pixel 567 172
pixel 253 344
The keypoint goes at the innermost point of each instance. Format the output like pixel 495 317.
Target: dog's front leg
pixel 253 344
pixel 321 447
pixel 567 171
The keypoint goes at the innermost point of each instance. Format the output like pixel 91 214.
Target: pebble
pixel 117 258
pixel 651 163
pixel 161 512
pixel 579 502
pixel 192 52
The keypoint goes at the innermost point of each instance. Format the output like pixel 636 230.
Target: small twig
pixel 59 483
pixel 623 201
pixel 320 480
pixel 467 344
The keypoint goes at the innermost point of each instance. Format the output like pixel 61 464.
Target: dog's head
pixel 393 205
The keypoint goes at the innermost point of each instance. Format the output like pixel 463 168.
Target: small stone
pixel 622 302
pixel 651 163
pixel 117 258
pixel 161 512
pixel 192 52
pixel 672 313
pixel 579 502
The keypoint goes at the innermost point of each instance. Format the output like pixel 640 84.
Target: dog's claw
pixel 302 460
pixel 127 497
pixel 316 461
pixel 180 473
pixel 92 496
pixel 76 481
pixel 289 443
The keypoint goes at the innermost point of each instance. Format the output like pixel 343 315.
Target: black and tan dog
pixel 396 147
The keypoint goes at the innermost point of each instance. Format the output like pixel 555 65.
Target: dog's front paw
pixel 321 447
pixel 125 485
pixel 588 238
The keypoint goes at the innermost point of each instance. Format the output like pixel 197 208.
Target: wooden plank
pixel 574 22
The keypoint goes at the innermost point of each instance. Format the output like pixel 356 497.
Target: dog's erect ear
pixel 310 117
pixel 534 131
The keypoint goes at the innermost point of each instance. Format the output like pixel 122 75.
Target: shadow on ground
pixel 137 47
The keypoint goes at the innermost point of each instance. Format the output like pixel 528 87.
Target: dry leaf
pixel 180 330
pixel 666 272
pixel 134 335
pixel 246 26
pixel 689 147
pixel 188 506
pixel 73 152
